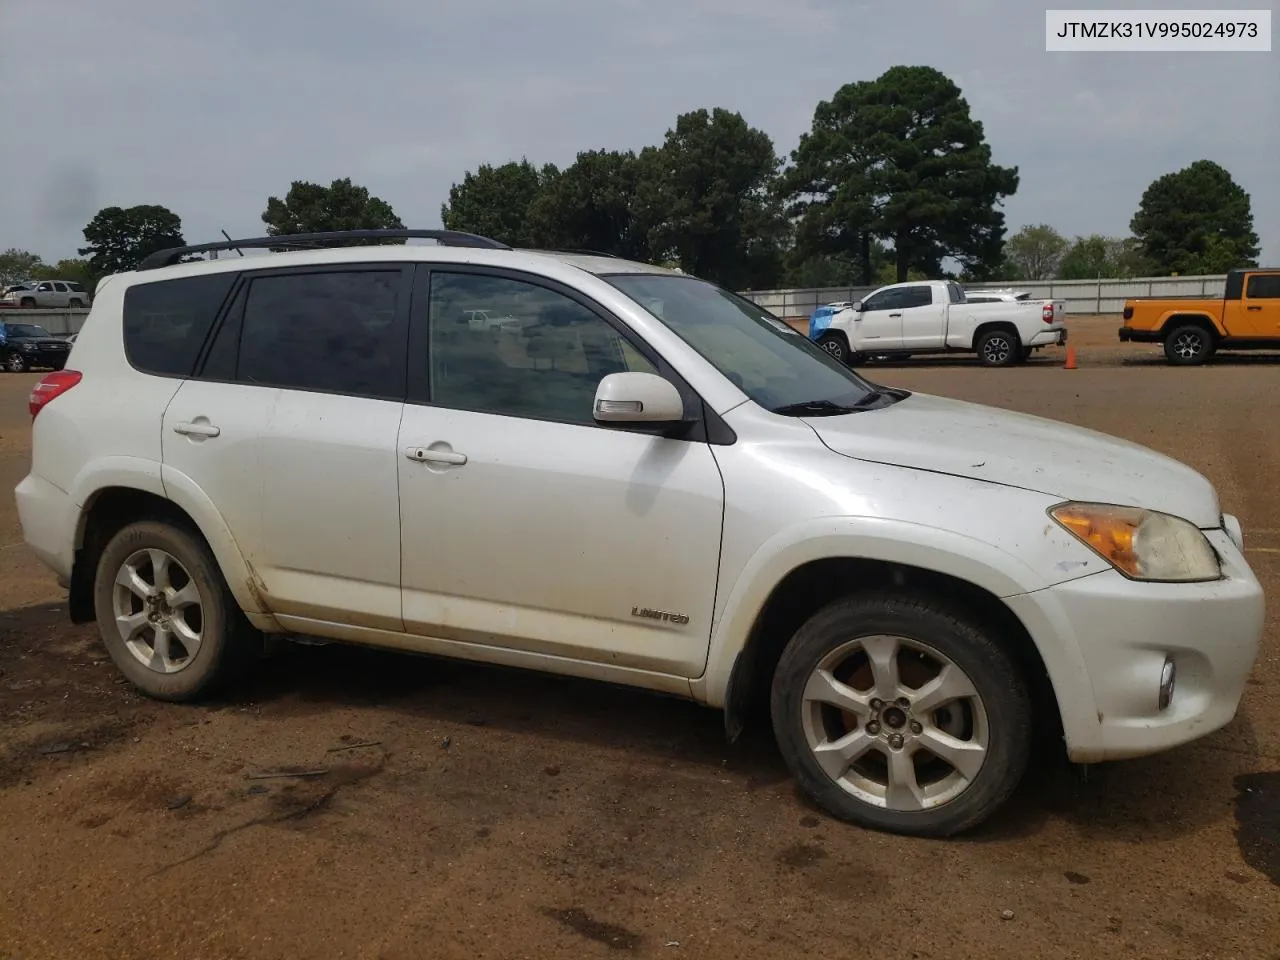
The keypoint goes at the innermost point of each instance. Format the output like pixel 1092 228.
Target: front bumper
pixel 1123 632
pixel 1131 335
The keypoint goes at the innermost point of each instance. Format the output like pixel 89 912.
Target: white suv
pixel 643 479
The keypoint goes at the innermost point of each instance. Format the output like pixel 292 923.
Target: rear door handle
pixel 1253 308
pixel 197 429
pixel 895 314
pixel 427 455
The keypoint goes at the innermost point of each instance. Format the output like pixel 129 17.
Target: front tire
pixel 998 348
pixel 166 614
pixel 836 345
pixel 901 714
pixel 1188 345
pixel 15 362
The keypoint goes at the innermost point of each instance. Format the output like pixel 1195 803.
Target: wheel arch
pixel 109 508
pixel 761 617
pixel 1202 320
pixel 1008 326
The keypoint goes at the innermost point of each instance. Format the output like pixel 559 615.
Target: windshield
pixel 769 361
pixel 26 330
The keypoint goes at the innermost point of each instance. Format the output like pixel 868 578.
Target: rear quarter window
pixel 166 321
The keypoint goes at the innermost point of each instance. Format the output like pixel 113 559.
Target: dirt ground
pixel 460 811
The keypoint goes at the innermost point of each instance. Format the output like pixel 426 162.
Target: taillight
pixel 51 385
pixel 1046 313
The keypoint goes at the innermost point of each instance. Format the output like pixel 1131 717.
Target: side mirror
pixel 637 398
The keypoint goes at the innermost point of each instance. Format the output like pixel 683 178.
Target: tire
pixel 1188 345
pixel 836 345
pixel 226 642
pixel 998 348
pixel 76 304
pixel 15 362
pixel 1026 353
pixel 994 706
pixel 27 303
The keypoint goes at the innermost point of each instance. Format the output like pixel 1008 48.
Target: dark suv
pixel 28 345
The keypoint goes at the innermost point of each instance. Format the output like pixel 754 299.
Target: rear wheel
pixel 998 348
pixel 900 714
pixel 166 614
pixel 77 304
pixel 1188 345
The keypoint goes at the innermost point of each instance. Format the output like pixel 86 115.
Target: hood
pixel 925 432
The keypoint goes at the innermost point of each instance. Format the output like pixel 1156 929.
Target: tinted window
pixel 508 347
pixel 75 287
pixel 885 300
pixel 917 296
pixel 329 332
pixel 60 287
pixel 1264 287
pixel 166 322
pixel 27 330
pixel 954 293
pixel 45 287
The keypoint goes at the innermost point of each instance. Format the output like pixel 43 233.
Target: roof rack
pixel 304 241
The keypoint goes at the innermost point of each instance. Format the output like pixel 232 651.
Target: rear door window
pixel 339 331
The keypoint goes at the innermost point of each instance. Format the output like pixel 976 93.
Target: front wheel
pixel 900 714
pixel 166 614
pixel 998 348
pixel 1188 345
pixel 836 345
pixel 15 362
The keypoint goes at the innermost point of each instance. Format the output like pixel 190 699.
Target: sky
pixel 210 108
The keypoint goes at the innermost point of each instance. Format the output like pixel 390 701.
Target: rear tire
pixel 998 348
pixel 1188 345
pixel 166 614
pixel 877 737
pixel 77 304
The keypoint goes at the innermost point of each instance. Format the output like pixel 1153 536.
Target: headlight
pixel 1141 544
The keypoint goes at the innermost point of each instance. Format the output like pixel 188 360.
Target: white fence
pixel 1081 296
pixel 61 322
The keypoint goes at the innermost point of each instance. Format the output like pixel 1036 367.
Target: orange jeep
pixel 1192 329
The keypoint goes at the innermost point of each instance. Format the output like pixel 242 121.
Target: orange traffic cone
pixel 1071 359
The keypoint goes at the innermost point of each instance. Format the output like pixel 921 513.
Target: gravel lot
pixel 460 811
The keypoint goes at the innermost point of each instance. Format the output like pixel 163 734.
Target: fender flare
pixel 890 541
pixel 148 476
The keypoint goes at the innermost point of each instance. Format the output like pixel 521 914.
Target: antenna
pixel 236 249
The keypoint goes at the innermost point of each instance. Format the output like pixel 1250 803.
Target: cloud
pixel 211 108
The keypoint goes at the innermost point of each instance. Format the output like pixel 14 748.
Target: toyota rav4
pixel 641 478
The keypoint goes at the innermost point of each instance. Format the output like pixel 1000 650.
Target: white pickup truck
pixel 934 316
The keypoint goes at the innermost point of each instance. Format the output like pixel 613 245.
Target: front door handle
pixel 197 428
pixel 895 314
pixel 429 455
pixel 1253 308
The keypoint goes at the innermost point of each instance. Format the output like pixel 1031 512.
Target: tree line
pixel 893 179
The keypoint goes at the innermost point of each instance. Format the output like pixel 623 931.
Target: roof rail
pixel 303 241
pixel 580 253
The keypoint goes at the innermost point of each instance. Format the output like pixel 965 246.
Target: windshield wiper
pixel 829 408
pixel 814 408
